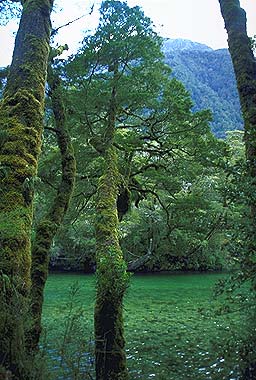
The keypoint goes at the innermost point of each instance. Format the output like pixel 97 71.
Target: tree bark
pixel 112 278
pixel 50 223
pixel 21 120
pixel 244 64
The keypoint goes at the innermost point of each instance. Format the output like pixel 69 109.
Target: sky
pixel 197 20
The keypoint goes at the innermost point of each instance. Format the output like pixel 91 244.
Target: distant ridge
pixel 209 77
pixel 182 44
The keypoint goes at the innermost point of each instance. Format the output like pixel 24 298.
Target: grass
pixel 171 331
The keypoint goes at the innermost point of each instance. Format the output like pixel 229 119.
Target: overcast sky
pixel 197 20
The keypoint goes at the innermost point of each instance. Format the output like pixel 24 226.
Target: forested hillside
pixel 209 77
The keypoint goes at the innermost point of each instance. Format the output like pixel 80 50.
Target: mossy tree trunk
pixel 21 120
pixel 48 226
pixel 112 279
pixel 244 64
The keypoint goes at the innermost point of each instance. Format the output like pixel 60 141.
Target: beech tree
pixel 49 224
pixel 244 63
pixel 21 122
pixel 139 121
pixel 123 41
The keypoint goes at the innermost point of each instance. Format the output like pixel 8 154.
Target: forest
pixel 127 209
pixel 209 77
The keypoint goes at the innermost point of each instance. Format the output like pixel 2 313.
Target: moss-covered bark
pixel 112 279
pixel 244 64
pixel 48 226
pixel 21 115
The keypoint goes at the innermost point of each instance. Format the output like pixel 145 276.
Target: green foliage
pixel 237 292
pixel 163 147
pixel 169 162
pixel 69 350
pixel 209 76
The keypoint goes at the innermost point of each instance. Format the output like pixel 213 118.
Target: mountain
pixel 184 45
pixel 209 77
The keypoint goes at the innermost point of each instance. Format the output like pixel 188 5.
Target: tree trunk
pixel 244 64
pixel 48 226
pixel 112 278
pixel 21 120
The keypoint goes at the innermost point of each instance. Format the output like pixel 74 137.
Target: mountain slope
pixel 209 77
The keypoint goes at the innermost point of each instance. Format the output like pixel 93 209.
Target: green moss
pixel 21 119
pixel 28 70
pixel 15 229
pixel 14 221
pixel 48 226
pixel 22 123
pixel 112 279
pixel 35 73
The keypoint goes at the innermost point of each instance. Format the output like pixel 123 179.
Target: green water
pixel 171 332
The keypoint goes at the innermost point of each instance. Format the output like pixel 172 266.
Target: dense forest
pixel 209 77
pixel 130 156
